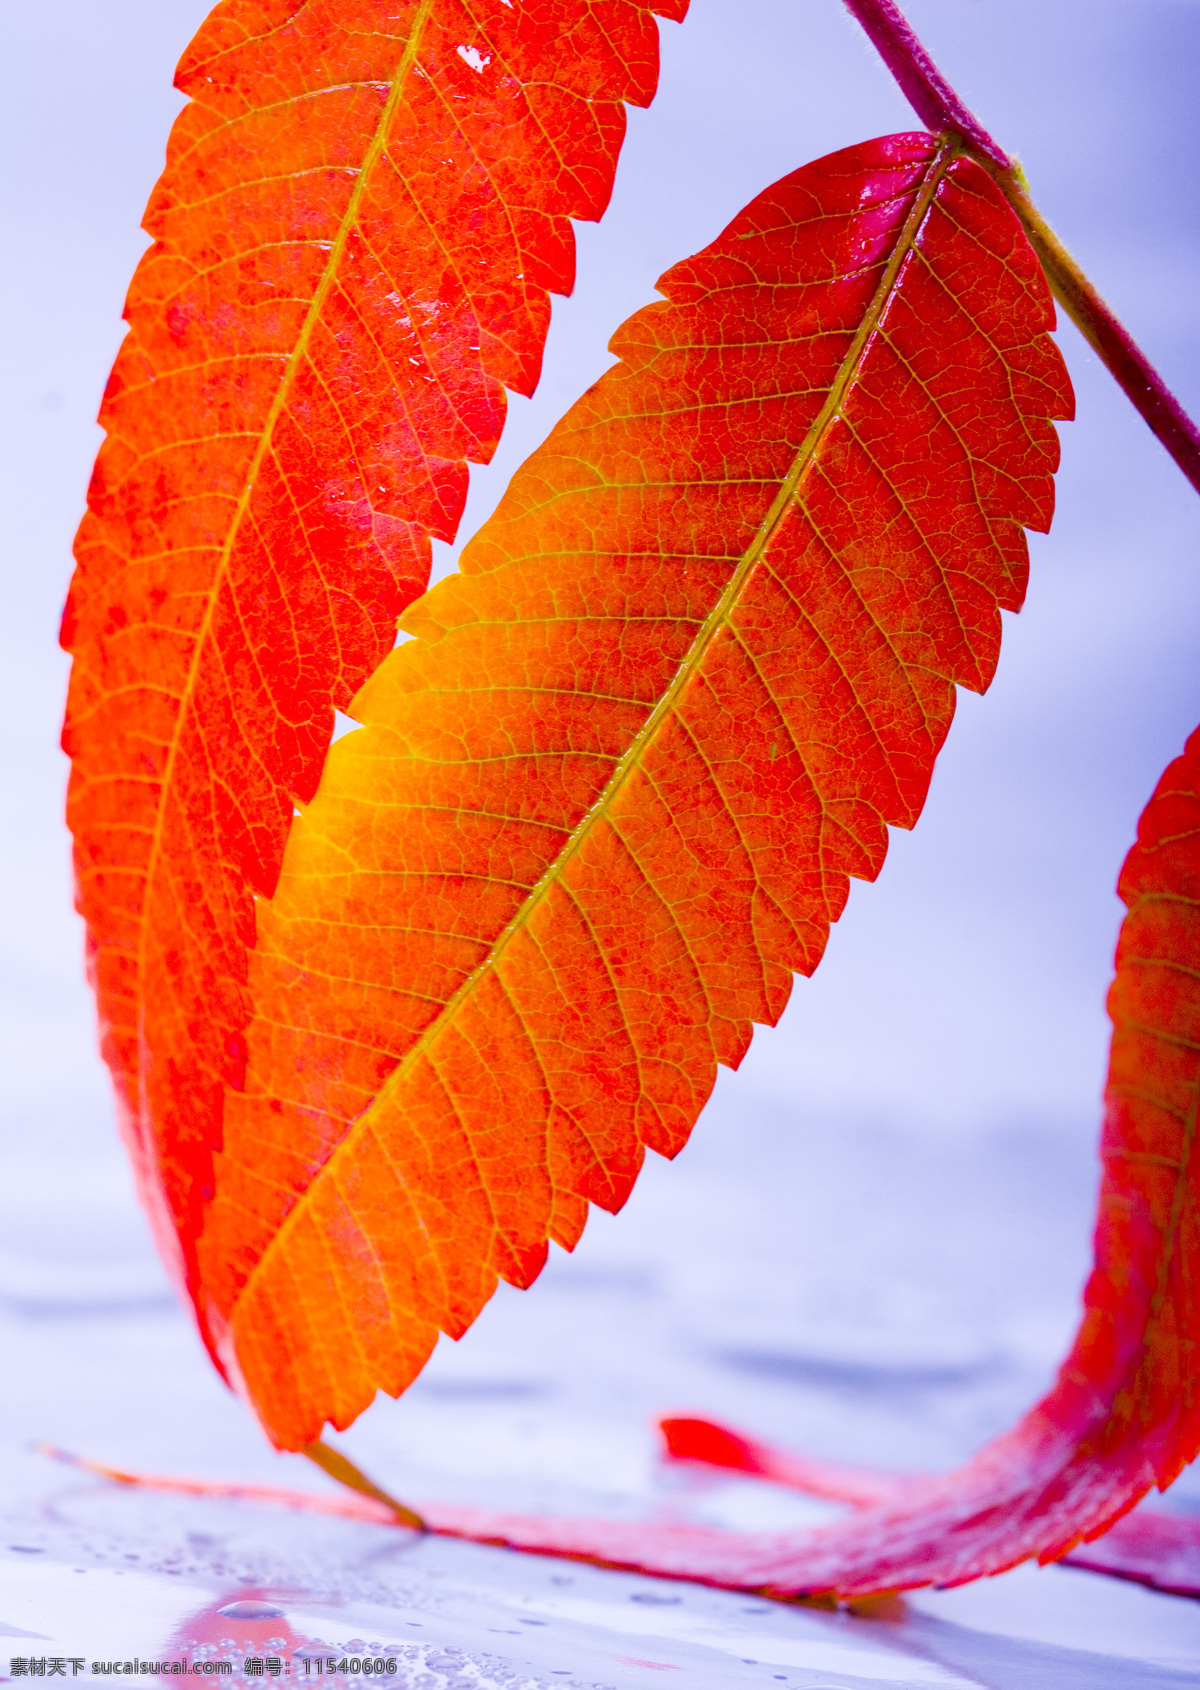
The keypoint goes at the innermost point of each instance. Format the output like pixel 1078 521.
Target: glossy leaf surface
pixel 609 797
pixel 1124 1414
pixel 363 210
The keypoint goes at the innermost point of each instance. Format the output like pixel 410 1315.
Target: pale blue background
pixel 874 1245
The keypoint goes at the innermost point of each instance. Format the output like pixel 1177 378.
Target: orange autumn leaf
pixel 363 210
pixel 608 799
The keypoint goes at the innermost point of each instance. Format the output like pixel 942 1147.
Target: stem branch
pixel 346 1473
pixel 939 108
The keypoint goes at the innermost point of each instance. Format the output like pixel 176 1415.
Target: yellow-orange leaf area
pixel 607 800
pixel 364 206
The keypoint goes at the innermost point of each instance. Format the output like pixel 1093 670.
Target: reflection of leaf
pixel 609 799
pixel 354 239
pixel 204 1634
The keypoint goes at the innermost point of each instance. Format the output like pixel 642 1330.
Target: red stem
pixel 920 80
pixel 939 108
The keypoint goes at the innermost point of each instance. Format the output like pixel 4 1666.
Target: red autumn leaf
pixel 1125 1412
pixel 609 799
pixel 363 208
pixel 1148 1547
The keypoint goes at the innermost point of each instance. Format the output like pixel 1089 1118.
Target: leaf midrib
pixel 278 405
pixel 947 151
